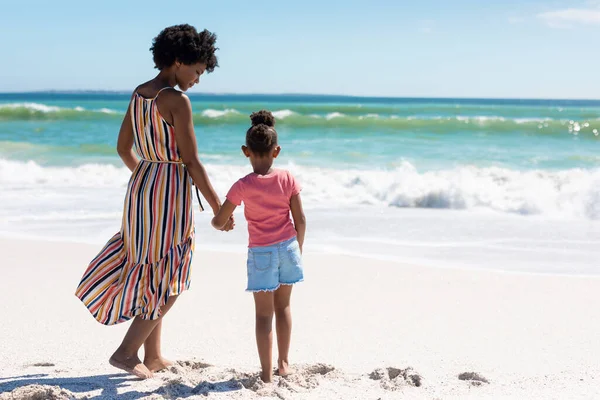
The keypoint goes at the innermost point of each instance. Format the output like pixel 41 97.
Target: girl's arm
pixel 299 218
pixel 188 149
pixel 224 215
pixel 125 141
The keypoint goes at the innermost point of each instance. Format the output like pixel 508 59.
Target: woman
pixel 143 268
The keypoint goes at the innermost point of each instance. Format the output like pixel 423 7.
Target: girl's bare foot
pixel 157 364
pixel 130 364
pixel 266 377
pixel 284 369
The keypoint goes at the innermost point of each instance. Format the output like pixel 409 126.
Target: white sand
pixel 531 336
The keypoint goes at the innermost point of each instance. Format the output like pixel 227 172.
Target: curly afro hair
pixel 261 138
pixel 183 43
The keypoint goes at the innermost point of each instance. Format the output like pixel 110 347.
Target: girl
pixel 274 251
pixel 143 268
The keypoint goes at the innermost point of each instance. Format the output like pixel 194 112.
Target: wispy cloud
pixel 570 17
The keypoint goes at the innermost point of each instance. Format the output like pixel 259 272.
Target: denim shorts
pixel 274 265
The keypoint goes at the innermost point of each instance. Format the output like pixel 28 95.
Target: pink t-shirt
pixel 266 205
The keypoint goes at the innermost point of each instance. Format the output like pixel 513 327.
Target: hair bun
pixel 262 117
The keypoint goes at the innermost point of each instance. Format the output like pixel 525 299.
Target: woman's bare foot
pixel 131 364
pixel 284 369
pixel 157 364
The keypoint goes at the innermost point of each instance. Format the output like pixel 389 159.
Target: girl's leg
pixel 126 356
pixel 283 324
pixel 263 302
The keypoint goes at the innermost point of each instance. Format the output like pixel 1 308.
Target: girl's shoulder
pixel 285 174
pixel 276 174
pixel 282 173
pixel 246 180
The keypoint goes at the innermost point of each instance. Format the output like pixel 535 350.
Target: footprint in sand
pixel 304 377
pixel 307 377
pixel 395 378
pixel 194 364
pixel 42 364
pixel 35 392
pixel 180 367
pixel 318 369
pixel 473 378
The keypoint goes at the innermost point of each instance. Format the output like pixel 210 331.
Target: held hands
pixel 223 219
pixel 229 225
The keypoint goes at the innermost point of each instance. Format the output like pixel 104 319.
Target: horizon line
pixel 102 91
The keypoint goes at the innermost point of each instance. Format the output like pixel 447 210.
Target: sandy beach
pixel 363 329
pixel 447 156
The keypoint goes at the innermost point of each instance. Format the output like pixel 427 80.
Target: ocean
pixel 467 183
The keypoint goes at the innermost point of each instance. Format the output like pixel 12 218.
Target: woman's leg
pixel 126 356
pixel 153 358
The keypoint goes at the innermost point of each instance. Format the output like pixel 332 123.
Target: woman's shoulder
pixel 148 90
pixel 174 98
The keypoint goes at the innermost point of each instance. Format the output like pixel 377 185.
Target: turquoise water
pixel 523 157
pixel 505 184
pixel 337 132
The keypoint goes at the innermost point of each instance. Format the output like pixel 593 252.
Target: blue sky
pixel 429 48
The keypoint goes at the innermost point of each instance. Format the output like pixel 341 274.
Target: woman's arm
pixel 125 141
pixel 188 149
pixel 224 215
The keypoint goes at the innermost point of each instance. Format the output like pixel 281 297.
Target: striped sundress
pixel 150 258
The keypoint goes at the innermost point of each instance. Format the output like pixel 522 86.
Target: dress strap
pixel 157 93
